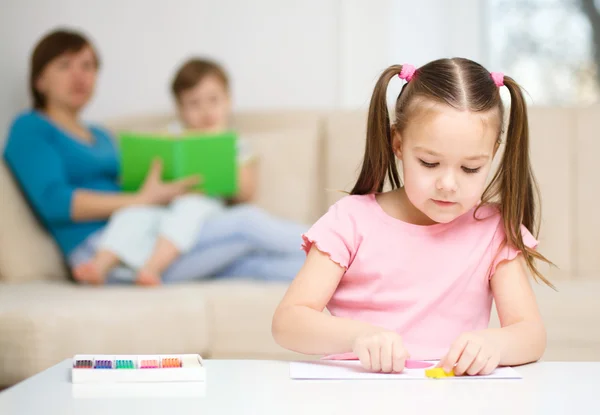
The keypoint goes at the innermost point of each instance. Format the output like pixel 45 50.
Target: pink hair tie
pixel 407 72
pixel 498 78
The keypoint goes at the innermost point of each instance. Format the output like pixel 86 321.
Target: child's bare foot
pixel 89 272
pixel 147 277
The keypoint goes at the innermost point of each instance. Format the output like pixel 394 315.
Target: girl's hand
pixel 472 354
pixel 381 352
pixel 155 191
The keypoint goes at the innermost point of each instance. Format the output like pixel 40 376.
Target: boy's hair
pixel 466 86
pixel 50 47
pixel 195 70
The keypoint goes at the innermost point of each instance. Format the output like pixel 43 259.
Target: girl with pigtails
pixel 411 273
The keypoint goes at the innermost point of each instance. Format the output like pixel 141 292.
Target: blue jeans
pixel 243 241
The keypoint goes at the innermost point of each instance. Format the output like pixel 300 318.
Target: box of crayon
pixel 137 368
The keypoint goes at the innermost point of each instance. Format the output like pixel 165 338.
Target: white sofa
pixel 306 158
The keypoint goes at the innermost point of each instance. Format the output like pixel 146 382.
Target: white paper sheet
pixel 353 370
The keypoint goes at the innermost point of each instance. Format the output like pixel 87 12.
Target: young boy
pixel 201 90
pixel 149 238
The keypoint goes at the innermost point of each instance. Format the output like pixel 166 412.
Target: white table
pixel 263 387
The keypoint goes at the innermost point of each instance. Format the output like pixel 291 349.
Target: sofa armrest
pixel 27 252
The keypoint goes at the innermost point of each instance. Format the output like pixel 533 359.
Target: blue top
pixel 49 165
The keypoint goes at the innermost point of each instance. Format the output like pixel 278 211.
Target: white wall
pixel 278 55
pixel 281 54
pixel 436 29
pixel 364 38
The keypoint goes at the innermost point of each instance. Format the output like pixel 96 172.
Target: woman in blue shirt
pixel 69 170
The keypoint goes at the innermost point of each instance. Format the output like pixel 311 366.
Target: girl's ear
pixel 396 142
pixel 496 146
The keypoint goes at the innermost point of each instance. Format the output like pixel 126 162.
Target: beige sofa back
pixel 308 157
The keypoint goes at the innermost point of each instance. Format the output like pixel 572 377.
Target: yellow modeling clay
pixel 438 373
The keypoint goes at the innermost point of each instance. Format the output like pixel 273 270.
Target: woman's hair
pixel 51 46
pixel 195 70
pixel 465 86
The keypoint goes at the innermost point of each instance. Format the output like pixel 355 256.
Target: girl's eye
pixel 465 169
pixel 428 165
pixel 471 171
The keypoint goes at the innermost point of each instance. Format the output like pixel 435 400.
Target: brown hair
pixel 195 70
pixel 466 86
pixel 49 48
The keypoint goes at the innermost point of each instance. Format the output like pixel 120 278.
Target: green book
pixel 211 156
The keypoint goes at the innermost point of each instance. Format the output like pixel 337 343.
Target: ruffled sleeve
pixel 334 234
pixel 508 252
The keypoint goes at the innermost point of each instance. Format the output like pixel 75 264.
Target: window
pixel 550 47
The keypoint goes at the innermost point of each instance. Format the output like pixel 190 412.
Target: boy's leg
pixel 236 233
pixel 265 267
pixel 178 230
pixel 205 261
pixel 128 237
pixel 266 232
pixel 183 221
pixel 164 254
pixel 96 269
pixel 131 234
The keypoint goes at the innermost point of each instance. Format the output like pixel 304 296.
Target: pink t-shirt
pixel 427 283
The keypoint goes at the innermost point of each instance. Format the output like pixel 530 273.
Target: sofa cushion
pixel 289 183
pixel 570 315
pixel 242 312
pixel 587 194
pixel 553 165
pixel 346 133
pixel 261 120
pixel 27 251
pixel 42 323
pixel 243 121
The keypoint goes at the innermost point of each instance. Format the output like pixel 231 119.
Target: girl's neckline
pixel 427 229
pixel 86 143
